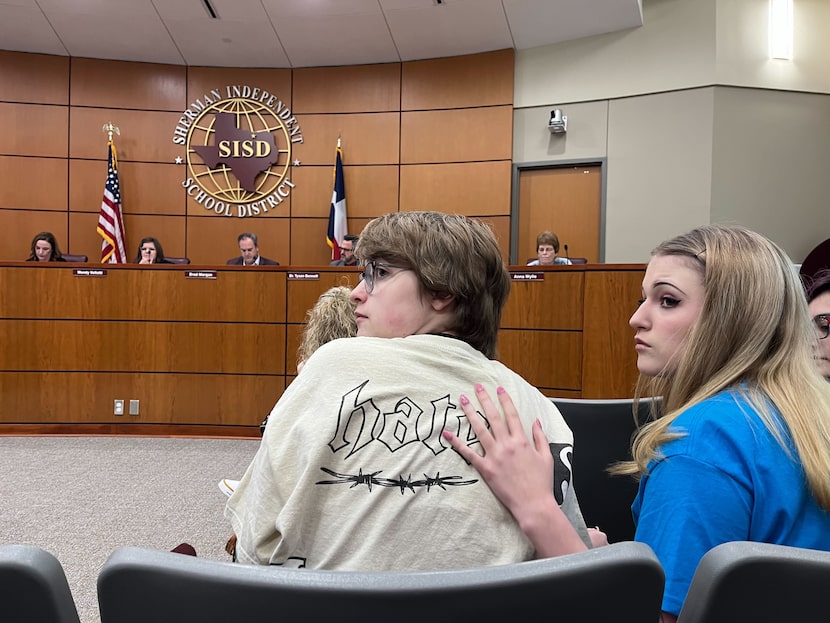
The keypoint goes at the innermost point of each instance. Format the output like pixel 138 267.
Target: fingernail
pixel 479 387
pixel 446 434
pixel 500 390
pixel 464 400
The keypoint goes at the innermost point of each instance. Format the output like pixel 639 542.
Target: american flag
pixel 110 219
pixel 338 227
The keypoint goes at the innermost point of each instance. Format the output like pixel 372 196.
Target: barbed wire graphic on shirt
pixel 371 479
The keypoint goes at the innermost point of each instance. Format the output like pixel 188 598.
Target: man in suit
pixel 249 248
pixel 347 256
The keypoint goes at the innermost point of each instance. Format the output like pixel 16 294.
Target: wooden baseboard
pixel 143 430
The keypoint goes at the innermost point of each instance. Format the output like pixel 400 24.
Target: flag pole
pixel 337 227
pixel 111 219
pixel 110 129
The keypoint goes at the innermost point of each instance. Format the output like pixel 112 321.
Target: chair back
pixel 178 260
pixel 758 582
pixel 621 583
pixel 603 431
pixel 74 258
pixel 33 587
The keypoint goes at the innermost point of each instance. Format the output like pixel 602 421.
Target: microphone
pixel 566 252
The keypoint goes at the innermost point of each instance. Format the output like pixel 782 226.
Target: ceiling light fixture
pixel 781 29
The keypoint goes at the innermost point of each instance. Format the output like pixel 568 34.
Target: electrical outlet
pixel 118 407
pixel 133 407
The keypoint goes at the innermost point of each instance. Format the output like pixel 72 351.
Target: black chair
pixel 33 587
pixel 621 583
pixel 758 582
pixel 74 258
pixel 178 260
pixel 603 431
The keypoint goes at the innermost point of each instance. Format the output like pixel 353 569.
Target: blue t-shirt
pixel 727 479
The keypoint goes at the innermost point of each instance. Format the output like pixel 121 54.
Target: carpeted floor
pixel 80 498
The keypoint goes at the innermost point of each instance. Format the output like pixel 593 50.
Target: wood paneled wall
pixel 566 330
pixel 433 134
pixel 212 356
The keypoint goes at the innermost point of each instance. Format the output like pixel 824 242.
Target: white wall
pixel 772 165
pixel 743 46
pixel 682 145
pixel 587 135
pixel 674 49
pixel 659 170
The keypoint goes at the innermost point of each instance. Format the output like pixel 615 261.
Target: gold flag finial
pixel 109 128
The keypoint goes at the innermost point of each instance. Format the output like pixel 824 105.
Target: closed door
pixel 564 200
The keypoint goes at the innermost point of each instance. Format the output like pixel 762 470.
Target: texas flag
pixel 338 227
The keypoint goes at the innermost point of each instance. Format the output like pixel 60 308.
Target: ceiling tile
pixel 25 29
pixel 337 40
pixel 460 27
pixel 543 22
pixel 300 33
pixel 316 8
pixel 224 43
pixel 112 29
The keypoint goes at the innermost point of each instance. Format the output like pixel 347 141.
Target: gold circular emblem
pixel 238 150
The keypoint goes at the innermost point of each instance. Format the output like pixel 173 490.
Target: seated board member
pixel 547 250
pixel 347 257
pixel 150 252
pixel 249 249
pixel 45 248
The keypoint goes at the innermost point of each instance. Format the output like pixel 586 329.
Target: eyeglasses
pixel 822 322
pixel 375 270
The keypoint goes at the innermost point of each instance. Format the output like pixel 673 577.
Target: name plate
pixel 304 276
pixel 200 274
pixel 523 276
pixel 89 272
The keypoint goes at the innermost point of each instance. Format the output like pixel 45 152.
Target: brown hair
pixel 548 237
pixel 451 254
pixel 46 236
pixel 159 250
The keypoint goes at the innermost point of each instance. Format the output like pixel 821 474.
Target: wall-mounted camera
pixel 558 123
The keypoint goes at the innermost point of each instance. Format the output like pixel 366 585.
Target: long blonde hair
pixel 753 336
pixel 331 317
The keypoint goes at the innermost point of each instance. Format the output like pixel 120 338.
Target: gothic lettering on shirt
pixel 361 421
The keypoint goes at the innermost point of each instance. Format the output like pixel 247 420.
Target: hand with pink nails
pixel 520 473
